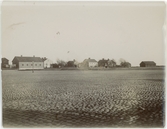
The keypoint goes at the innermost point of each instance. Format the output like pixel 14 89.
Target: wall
pixel 47 63
pixel 28 65
pixel 93 64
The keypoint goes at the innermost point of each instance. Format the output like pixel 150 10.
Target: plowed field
pixel 115 98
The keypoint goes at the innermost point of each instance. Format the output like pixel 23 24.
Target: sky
pixel 78 30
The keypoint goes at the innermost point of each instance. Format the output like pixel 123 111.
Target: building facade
pixel 147 64
pixel 23 63
pixel 4 63
pixel 103 63
pixel 88 63
pixel 47 63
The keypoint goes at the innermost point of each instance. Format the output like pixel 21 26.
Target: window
pixel 35 64
pixel 22 64
pixel 27 64
pixel 39 64
pixel 31 64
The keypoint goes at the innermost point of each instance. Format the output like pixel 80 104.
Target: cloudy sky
pixel 79 30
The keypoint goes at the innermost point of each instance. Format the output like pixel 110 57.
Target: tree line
pixel 101 63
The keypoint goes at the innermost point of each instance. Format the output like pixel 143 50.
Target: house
pixel 103 63
pixel 23 63
pixel 4 63
pixel 73 63
pixel 70 64
pixel 47 62
pixel 147 64
pixel 88 63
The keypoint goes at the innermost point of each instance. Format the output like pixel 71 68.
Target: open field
pixel 69 98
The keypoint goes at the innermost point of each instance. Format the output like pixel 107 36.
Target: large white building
pixel 23 63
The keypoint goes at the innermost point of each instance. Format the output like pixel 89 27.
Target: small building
pixel 103 63
pixel 23 63
pixel 70 64
pixel 147 64
pixel 4 63
pixel 88 63
pixel 73 63
pixel 47 62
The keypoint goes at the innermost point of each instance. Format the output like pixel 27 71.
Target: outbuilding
pixel 4 63
pixel 147 64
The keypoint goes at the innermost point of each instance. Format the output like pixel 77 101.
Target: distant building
pixel 23 63
pixel 4 63
pixel 103 63
pixel 147 64
pixel 47 62
pixel 73 63
pixel 88 63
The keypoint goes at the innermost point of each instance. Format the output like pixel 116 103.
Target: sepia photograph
pixel 85 64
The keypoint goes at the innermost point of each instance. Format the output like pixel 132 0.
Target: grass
pixel 118 98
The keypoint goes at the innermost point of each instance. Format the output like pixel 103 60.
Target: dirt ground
pixel 69 98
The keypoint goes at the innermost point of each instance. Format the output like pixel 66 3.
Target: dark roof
pixel 148 62
pixel 28 59
pixel 70 62
pixel 4 59
pixel 44 58
pixel 103 61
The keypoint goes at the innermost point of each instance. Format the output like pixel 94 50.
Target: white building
pixel 89 63
pixel 24 63
pixel 47 63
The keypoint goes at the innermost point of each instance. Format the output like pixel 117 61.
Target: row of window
pixel 31 64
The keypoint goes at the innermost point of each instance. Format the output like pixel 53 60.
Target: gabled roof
pixel 28 59
pixel 90 60
pixel 103 61
pixel 4 58
pixel 148 62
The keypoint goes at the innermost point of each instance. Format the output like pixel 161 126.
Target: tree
pixel 112 63
pixel 124 63
pixel 70 64
pixel 76 63
pixel 61 63
pixel 55 65
pixel 103 63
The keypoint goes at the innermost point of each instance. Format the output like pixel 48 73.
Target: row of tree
pixel 112 63
pixel 101 63
pixel 61 63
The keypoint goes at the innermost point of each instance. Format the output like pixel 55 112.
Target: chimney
pixel 21 55
pixel 89 57
pixel 33 56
